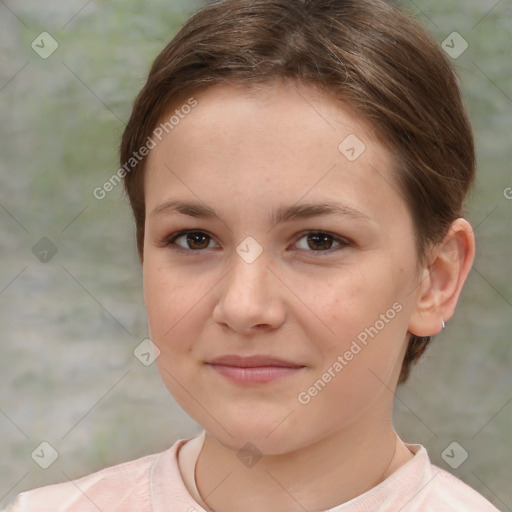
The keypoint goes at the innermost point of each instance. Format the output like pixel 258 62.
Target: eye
pixel 190 240
pixel 311 241
pixel 320 241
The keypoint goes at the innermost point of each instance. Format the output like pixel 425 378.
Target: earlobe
pixel 442 281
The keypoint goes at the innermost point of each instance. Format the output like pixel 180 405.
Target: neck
pixel 320 476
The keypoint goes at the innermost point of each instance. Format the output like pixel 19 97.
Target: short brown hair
pixel 367 53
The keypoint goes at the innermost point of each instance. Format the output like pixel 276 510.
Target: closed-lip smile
pixel 257 369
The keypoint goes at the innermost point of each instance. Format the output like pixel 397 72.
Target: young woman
pixel 297 172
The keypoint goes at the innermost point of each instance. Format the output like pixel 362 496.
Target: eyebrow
pixel 282 214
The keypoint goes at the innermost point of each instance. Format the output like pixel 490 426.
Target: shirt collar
pixel 397 492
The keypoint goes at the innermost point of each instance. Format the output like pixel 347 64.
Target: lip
pixel 258 369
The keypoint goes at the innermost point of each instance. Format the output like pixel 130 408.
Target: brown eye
pixel 194 240
pixel 320 241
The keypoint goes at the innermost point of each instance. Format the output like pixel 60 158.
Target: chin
pixel 254 439
pixel 253 426
pixel 271 432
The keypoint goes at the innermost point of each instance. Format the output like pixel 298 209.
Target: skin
pixel 245 153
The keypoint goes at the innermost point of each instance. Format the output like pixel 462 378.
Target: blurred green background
pixel 70 325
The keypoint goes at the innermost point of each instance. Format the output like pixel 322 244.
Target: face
pixel 278 265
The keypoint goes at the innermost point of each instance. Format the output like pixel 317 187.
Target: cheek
pixel 156 298
pixel 169 296
pixel 365 321
pixel 348 303
pixel 359 364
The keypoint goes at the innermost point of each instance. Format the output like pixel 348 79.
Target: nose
pixel 249 299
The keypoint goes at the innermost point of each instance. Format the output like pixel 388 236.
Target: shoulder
pixel 420 486
pixel 431 489
pixel 121 487
pixel 449 493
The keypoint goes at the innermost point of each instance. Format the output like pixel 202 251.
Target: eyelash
pixel 170 241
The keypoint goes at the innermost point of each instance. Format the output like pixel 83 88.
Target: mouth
pixel 252 370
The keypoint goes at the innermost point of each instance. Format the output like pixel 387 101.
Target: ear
pixel 442 280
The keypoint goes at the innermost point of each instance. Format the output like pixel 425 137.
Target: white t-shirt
pixel 164 482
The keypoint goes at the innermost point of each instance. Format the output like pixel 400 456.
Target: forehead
pixel 268 143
